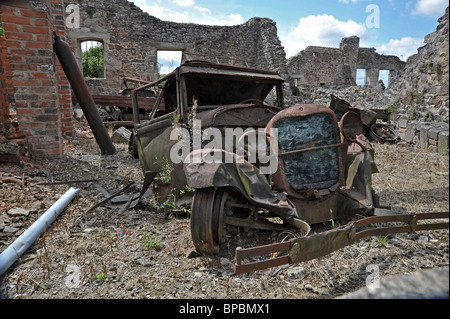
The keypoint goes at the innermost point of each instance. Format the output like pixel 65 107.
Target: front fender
pixel 204 170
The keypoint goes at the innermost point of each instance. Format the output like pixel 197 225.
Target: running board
pixel 314 246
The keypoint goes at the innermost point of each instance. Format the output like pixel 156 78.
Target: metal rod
pixel 84 97
pixel 312 149
pixel 321 244
pixel 21 244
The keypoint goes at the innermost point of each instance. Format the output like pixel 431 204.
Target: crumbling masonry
pixel 324 66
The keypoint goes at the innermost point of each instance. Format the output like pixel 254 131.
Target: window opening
pixel 384 76
pixel 92 59
pixel 1 28
pixel 360 77
pixel 168 60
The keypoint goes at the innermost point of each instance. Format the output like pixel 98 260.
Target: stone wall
pixel 132 38
pixel 373 62
pixel 304 67
pixel 423 86
pixel 322 66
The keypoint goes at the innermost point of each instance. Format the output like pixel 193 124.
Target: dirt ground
pixel 142 252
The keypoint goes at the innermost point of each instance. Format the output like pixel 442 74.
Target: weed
pixel 149 241
pixel 438 69
pixel 331 219
pixel 393 106
pixel 414 114
pixel 176 118
pixel 165 170
pixel 170 204
pixel 420 97
pixel 381 241
pixel 410 96
pixel 101 276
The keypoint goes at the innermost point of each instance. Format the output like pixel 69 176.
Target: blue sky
pixel 395 27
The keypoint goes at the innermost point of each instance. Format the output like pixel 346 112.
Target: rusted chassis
pixel 311 247
pixel 349 194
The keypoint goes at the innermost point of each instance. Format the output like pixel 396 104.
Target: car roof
pixel 197 67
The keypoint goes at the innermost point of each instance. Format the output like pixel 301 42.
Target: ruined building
pixel 337 66
pixel 132 38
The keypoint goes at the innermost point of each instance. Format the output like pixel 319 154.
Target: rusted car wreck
pixel 323 166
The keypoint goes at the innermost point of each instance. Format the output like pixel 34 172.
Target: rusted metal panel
pixel 242 176
pixel 146 103
pixel 207 68
pixel 238 115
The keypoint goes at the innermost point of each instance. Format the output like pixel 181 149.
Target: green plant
pixel 393 106
pixel 150 241
pixel 381 241
pixel 90 12
pixel 165 170
pixel 111 12
pixel 331 219
pixel 414 114
pixel 170 204
pixel 101 276
pixel 410 97
pixel 438 69
pixel 159 66
pixel 420 96
pixel 426 66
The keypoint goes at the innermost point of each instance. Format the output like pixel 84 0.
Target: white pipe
pixel 21 244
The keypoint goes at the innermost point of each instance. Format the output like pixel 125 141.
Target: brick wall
pixel 5 76
pixel 64 90
pixel 41 92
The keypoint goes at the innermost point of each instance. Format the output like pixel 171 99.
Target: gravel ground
pixel 142 252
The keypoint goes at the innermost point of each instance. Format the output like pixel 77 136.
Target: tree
pixel 92 60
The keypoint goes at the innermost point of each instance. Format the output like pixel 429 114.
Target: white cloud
pixel 320 30
pixel 188 14
pixel 431 8
pixel 348 1
pixel 203 10
pixel 236 18
pixel 403 48
pixel 184 3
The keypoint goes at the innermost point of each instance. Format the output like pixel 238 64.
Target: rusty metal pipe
pixel 76 80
